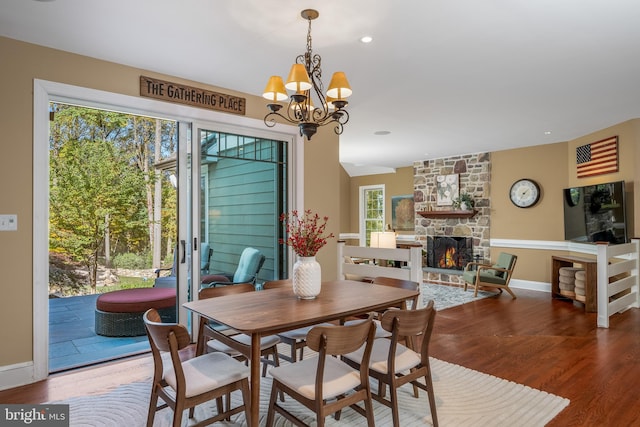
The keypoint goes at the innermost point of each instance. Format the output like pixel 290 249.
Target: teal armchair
pixel 497 275
pixel 249 265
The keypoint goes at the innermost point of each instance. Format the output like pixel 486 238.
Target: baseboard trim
pixel 530 285
pixel 16 375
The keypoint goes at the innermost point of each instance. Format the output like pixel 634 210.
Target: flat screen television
pixel 595 213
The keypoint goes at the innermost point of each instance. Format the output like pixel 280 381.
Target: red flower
pixel 305 234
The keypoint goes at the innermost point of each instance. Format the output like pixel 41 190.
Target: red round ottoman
pixel 119 313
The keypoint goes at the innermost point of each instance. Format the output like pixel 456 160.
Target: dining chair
pixel 297 338
pixel 394 364
pixel 229 341
pixel 184 384
pixel 325 384
pixel 396 283
pixel 402 284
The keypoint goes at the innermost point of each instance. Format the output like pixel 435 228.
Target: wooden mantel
pixel 448 214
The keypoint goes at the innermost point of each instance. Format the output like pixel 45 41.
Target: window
pixel 371 211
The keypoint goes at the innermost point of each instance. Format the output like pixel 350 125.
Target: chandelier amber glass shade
pixel 275 90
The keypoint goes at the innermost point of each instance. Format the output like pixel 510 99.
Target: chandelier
pixel 305 82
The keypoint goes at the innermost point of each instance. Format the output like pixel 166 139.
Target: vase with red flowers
pixel 306 234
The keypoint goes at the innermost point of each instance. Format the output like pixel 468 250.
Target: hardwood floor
pixel 546 344
pixel 553 346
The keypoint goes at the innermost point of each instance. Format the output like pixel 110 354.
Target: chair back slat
pixel 396 283
pixel 402 284
pixel 159 332
pixel 219 291
pixel 409 323
pixel 273 284
pixel 340 339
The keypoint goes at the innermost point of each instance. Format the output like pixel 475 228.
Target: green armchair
pixel 497 275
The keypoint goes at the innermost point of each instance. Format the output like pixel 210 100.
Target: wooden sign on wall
pixel 182 94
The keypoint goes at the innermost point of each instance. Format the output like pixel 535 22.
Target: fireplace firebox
pixel 448 252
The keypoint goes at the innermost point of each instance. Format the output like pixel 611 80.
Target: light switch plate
pixel 8 222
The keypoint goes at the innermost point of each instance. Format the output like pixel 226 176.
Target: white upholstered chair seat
pixel 339 378
pixel 405 357
pixel 300 333
pixel 207 372
pixel 265 343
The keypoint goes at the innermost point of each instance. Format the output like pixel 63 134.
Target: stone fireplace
pixel 466 235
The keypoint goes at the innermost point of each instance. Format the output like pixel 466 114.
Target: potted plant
pixel 464 202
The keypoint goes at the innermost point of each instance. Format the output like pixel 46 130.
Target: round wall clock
pixel 524 193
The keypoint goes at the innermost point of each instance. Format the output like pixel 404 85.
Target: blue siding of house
pixel 242 212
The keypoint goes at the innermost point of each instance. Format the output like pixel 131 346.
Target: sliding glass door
pixel 242 189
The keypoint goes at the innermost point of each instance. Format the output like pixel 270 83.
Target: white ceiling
pixel 444 77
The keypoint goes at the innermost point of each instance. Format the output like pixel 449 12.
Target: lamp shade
pixel 275 90
pixel 383 239
pixel 298 79
pixel 339 87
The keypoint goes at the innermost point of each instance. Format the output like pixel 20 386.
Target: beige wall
pixel 546 164
pixel 399 183
pixel 21 64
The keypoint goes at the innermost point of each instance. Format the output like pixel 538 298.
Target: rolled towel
pixel 568 271
pixel 566 287
pixel 566 280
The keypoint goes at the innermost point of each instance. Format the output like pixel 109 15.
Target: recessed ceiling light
pixel 548 132
pixel 382 132
pixel 366 39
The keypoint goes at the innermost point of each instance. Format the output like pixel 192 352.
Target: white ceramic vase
pixel 307 277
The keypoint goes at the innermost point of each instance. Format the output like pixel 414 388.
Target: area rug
pixel 445 296
pixel 464 398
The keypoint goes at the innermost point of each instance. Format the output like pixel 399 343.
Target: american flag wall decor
pixel 597 158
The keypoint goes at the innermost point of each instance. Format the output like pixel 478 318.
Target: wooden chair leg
pixel 393 397
pixel 368 407
pixel 432 400
pixel 272 405
pixel 152 406
pixel 510 292
pixel 177 414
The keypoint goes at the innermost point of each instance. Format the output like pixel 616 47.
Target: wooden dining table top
pixel 276 310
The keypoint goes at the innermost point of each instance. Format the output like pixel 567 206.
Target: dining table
pixel 272 311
